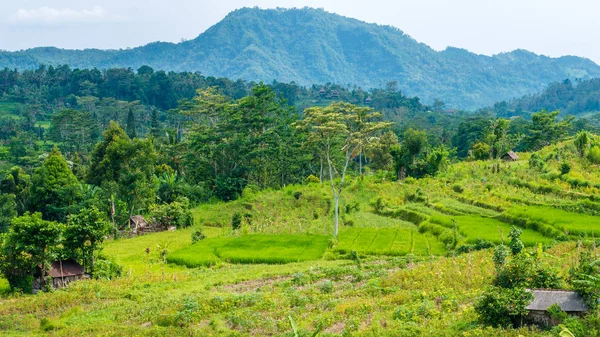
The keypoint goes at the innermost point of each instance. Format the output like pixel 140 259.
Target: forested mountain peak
pixel 310 45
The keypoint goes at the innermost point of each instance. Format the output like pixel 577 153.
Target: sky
pixel 547 27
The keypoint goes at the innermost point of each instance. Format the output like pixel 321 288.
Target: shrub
pixel 594 155
pixel 106 269
pixel 556 314
pixel 47 325
pixel 198 235
pixel 236 221
pixel 565 168
pixel 327 287
pixel 311 179
pixel 248 218
pixel 500 306
pixel 187 312
pixel 457 188
pixel 176 214
pixel 297 195
pixel 378 205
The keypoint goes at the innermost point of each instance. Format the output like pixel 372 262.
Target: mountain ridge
pixel 310 46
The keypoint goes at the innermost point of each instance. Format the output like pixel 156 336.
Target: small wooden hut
pixel 335 94
pixel 368 100
pixel 323 92
pixel 137 223
pixel 61 273
pixel 510 156
pixel 569 302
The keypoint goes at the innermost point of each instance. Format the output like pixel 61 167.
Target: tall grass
pixel 473 227
pixel 250 249
pixel 564 221
pixel 388 241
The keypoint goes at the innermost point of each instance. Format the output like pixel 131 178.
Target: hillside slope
pixel 312 46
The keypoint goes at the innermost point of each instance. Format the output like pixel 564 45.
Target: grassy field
pixel 567 222
pixel 248 249
pixel 404 285
pixel 152 299
pixel 388 241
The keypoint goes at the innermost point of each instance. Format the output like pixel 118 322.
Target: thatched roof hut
pixel 137 222
pixel 568 301
pixel 510 156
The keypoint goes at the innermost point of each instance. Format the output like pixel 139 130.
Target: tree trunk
pixel 336 214
pixel 321 171
pixel 360 162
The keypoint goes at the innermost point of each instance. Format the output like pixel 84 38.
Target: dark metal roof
pixel 568 301
pixel 69 268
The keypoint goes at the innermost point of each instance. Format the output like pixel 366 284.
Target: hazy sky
pixel 548 27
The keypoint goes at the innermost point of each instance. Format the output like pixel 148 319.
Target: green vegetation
pixel 388 241
pixel 270 249
pixel 225 215
pixel 313 46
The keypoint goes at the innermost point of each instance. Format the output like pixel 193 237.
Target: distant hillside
pixel 583 97
pixel 312 46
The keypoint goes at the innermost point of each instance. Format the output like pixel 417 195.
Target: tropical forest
pixel 208 188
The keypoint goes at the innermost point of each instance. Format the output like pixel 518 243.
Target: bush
pixel 327 287
pixel 594 155
pixel 236 221
pixel 176 214
pixel 198 235
pixel 311 179
pixel 501 306
pixel 106 269
pixel 556 314
pixel 378 205
pixel 457 188
pixel 565 168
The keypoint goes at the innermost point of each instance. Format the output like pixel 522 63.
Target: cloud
pixel 48 15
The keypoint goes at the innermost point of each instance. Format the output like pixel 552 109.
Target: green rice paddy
pixel 249 249
pixel 388 241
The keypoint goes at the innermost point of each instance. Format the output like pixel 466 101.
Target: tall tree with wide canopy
pixel 85 233
pixel 124 168
pixel 30 242
pixel 339 128
pixel 54 188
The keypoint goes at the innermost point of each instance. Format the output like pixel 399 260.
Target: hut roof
pixel 511 155
pixel 68 268
pixel 137 221
pixel 568 301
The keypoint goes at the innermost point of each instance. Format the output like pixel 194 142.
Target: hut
pixel 368 100
pixel 569 302
pixel 335 94
pixel 61 273
pixel 323 92
pixel 137 223
pixel 510 156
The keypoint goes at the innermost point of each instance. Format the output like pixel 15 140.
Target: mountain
pixel 579 98
pixel 313 46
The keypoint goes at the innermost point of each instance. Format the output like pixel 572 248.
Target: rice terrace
pixel 295 172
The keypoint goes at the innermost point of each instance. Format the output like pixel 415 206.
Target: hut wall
pixel 61 282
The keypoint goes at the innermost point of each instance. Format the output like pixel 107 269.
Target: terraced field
pixel 388 241
pixel 249 249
